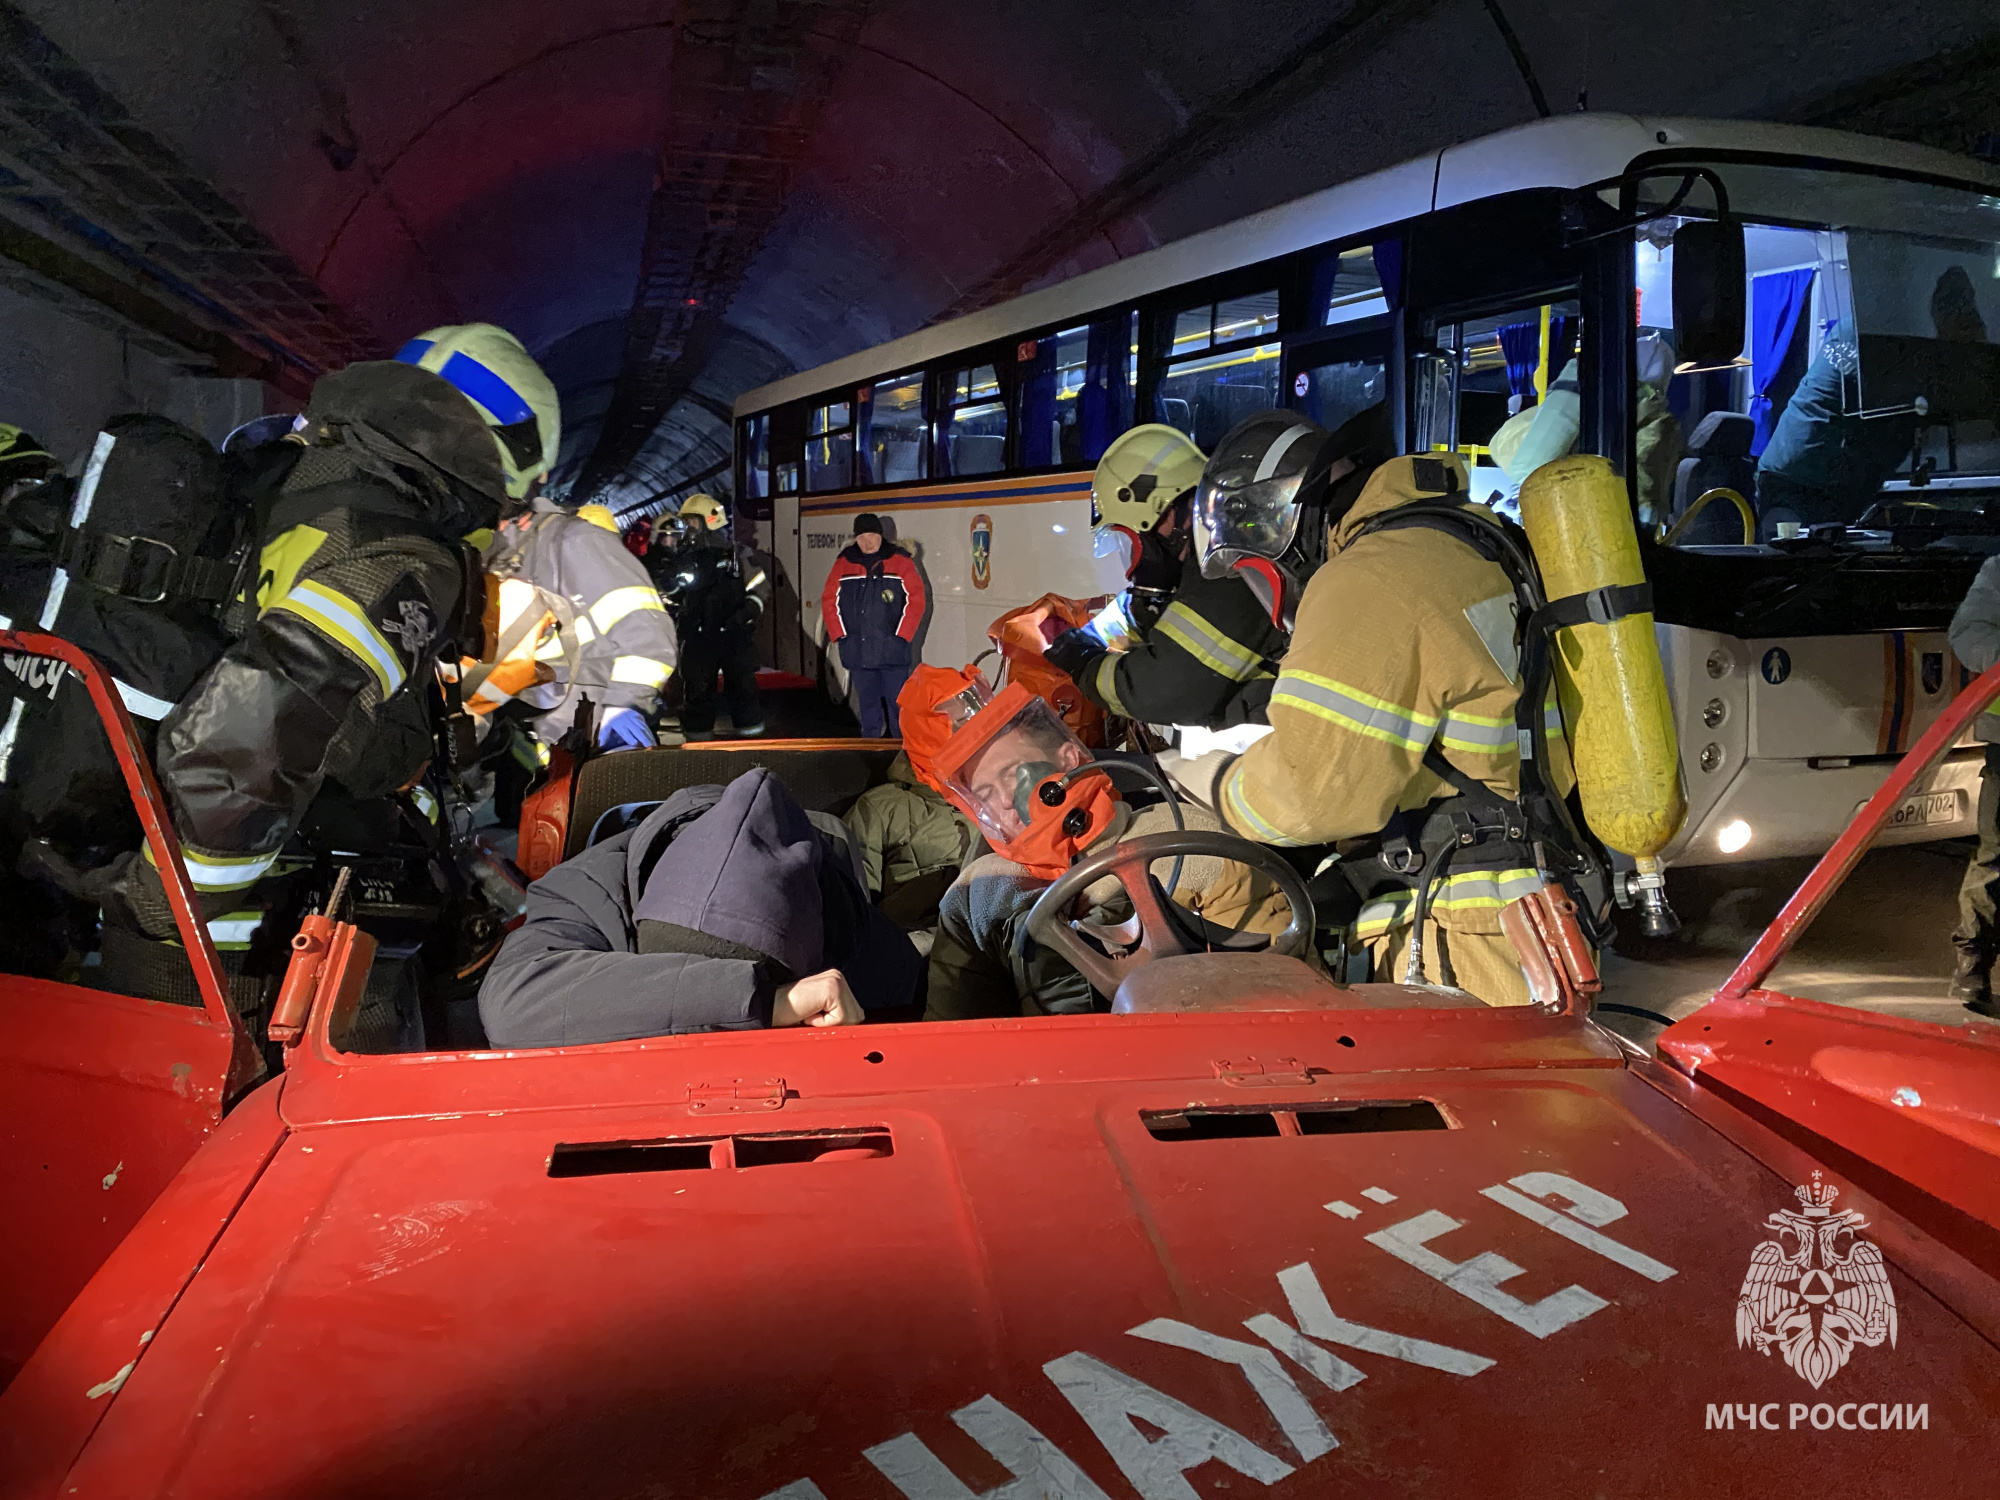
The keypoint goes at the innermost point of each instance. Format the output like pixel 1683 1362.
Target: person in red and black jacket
pixel 873 603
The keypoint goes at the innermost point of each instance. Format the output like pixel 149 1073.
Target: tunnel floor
pixel 1883 943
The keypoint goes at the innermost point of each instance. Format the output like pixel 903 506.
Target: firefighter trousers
pixel 732 654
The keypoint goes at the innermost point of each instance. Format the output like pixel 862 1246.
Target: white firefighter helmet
pixel 492 369
pixel 1144 471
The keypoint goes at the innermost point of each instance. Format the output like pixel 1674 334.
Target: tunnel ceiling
pixel 673 203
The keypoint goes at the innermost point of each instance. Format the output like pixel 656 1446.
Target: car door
pixel 103 1097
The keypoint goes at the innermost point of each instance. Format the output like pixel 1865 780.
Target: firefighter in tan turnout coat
pixel 1403 648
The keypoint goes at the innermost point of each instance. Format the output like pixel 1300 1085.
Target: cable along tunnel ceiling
pixel 671 204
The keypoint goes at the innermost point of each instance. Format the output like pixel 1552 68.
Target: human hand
pixel 625 729
pixel 1074 651
pixel 817 1000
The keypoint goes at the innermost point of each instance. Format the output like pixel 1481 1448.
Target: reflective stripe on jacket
pixel 1203 662
pixel 1387 660
pixel 625 643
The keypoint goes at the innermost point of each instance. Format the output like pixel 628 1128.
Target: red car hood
pixel 995 1250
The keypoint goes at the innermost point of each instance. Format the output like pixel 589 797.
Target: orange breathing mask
pixel 1004 769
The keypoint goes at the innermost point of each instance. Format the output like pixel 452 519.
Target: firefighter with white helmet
pixel 712 583
pixel 1176 647
pixel 578 618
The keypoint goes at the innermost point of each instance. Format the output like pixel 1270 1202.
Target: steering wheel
pixel 1164 929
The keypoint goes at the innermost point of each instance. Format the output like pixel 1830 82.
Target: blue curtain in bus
pixel 1563 331
pixel 1104 406
pixel 1778 303
pixel 1521 347
pixel 1038 406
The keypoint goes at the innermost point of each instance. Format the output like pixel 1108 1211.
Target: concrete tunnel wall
pixel 429 160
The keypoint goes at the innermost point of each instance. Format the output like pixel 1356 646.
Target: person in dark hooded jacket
pixel 728 908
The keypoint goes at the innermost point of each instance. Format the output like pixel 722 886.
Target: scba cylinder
pixel 1613 688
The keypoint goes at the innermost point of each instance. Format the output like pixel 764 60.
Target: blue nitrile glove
pixel 625 729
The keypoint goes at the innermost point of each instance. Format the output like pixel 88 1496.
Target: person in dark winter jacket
pixel 874 604
pixel 728 908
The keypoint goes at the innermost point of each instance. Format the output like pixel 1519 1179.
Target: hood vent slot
pixel 1234 1124
pixel 718 1152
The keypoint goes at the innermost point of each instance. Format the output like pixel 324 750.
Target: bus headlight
pixel 1733 836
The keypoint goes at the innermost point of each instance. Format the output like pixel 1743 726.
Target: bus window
pixel 1513 399
pixel 753 456
pixel 1348 287
pixel 1332 392
pixel 830 447
pixel 1074 390
pixel 972 428
pixel 891 430
pixel 1215 372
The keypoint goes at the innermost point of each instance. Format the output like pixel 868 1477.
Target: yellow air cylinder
pixel 1613 687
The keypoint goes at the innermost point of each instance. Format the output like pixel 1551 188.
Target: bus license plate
pixel 1921 811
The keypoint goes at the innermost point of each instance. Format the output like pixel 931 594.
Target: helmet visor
pixel 996 782
pixel 1118 545
pixel 1254 519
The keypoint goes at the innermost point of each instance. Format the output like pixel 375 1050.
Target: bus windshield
pixel 1866 397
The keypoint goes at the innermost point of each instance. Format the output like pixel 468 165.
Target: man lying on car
pixel 728 908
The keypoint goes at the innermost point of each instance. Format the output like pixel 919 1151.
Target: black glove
pixel 1075 652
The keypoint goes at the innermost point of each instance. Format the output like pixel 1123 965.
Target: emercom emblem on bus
pixel 982 551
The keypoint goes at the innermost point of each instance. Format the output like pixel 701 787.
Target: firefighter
pixel 712 585
pixel 1176 648
pixel 321 711
pixel 1393 716
pixel 574 599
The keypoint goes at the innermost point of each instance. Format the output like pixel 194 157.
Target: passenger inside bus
pixel 1868 372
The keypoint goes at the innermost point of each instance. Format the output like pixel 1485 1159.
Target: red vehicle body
pixel 1251 1233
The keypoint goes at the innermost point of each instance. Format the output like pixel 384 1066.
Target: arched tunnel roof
pixel 671 204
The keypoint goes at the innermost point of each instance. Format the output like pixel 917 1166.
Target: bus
pixel 1811 446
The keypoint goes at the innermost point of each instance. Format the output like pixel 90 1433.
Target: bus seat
pixel 1718 456
pixel 827 780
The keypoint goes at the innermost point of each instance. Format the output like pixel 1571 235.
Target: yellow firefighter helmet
pixel 707 510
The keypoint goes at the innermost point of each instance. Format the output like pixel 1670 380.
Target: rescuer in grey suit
pixel 1975 640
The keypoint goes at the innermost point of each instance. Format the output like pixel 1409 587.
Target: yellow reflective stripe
pixel 642 670
pixel 1238 810
pixel 426 803
pixel 341 618
pixel 619 603
pixel 487 692
pixel 281 562
pixel 1105 680
pixel 221 872
pixel 1476 733
pixel 1353 710
pixel 1474 890
pixel 1206 644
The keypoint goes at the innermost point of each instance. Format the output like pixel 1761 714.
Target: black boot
pixel 1972 982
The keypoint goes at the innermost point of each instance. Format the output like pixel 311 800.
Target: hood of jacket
pixel 1396 483
pixel 745 871
pixel 416 430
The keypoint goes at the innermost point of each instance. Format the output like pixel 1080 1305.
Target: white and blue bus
pixel 1532 272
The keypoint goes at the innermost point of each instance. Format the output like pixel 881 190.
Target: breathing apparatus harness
pixel 1477 824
